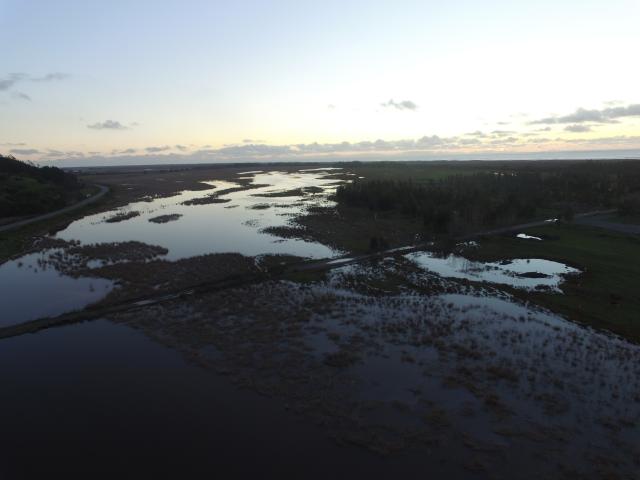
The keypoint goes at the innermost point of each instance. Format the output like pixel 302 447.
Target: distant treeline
pixel 501 196
pixel 27 189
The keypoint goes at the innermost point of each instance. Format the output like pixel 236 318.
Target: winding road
pixel 82 203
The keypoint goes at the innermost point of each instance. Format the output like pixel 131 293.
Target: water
pixel 233 226
pixel 519 372
pixel 96 400
pixel 524 236
pixel 31 290
pixel 512 272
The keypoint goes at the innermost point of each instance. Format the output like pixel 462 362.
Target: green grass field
pixel 417 171
pixel 607 293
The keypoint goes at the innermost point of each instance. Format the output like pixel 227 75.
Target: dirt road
pixel 87 201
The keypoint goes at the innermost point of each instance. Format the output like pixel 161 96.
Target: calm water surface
pixel 98 400
pixel 30 291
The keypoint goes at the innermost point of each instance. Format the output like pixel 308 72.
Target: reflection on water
pixel 529 273
pixel 215 227
pixel 524 236
pixel 31 289
pixel 98 396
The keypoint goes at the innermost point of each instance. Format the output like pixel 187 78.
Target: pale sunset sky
pixel 87 82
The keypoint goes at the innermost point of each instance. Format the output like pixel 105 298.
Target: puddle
pixel 32 290
pixel 529 274
pixel 524 236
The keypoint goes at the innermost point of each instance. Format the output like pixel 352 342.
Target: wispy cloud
pixel 502 133
pixel 21 96
pixel 107 125
pixel 158 149
pixel 10 80
pixel 51 77
pixel 477 134
pixel 581 115
pixel 403 105
pixel 577 128
pixel 24 151
pixel 428 146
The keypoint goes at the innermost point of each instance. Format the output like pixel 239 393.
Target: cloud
pixel 432 141
pixel 24 151
pixel 158 149
pixel 466 142
pixel 21 96
pixel 11 79
pixel 107 125
pixel 182 148
pixel 502 133
pixel 50 77
pixel 252 140
pixel 254 150
pixel 477 133
pixel 581 115
pixel 577 128
pixel 126 151
pixel 619 140
pixel 428 146
pixel 403 105
pixel 504 141
pixel 13 144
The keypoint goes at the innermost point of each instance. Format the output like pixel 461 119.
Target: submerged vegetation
pixel 396 351
pixel 122 216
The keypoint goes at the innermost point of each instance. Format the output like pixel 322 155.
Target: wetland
pixel 372 339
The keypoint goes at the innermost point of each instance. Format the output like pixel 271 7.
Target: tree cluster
pixel 466 201
pixel 27 189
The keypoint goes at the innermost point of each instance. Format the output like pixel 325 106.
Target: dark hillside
pixel 26 189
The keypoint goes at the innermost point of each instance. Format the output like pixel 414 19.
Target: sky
pixel 139 81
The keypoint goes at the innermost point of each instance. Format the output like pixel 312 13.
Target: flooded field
pixel 526 273
pixel 467 372
pixel 232 224
pixel 31 289
pixel 156 414
pixel 397 363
